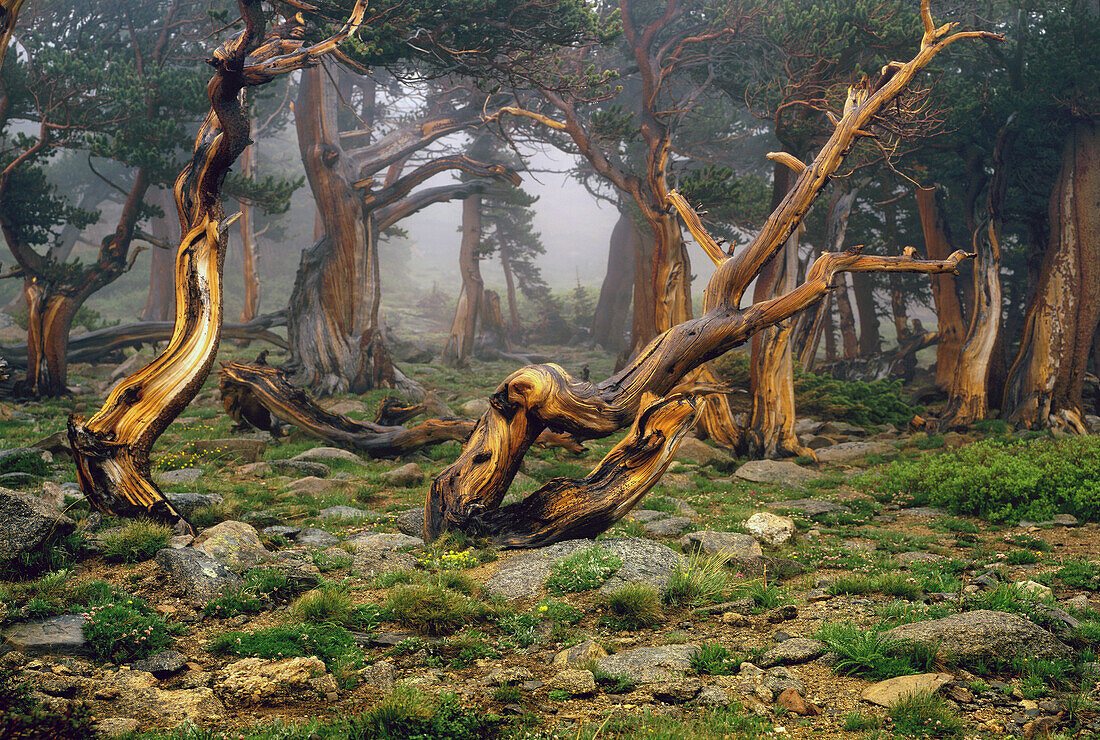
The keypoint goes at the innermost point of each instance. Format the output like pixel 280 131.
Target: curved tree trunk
pixel 111 449
pixel 336 290
pixel 609 320
pixel 968 400
pixel 515 328
pixel 160 303
pixel 945 297
pixel 870 342
pixel 1044 384
pixel 662 279
pixel 460 340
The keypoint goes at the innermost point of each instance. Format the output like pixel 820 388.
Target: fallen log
pixel 102 343
pixel 259 395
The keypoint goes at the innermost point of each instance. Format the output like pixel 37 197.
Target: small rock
pixel 314 486
pixel 694 451
pixel 793 702
pixel 1035 589
pixel 379 675
pixel 411 522
pixel 650 664
pixel 327 454
pixel 983 635
pixel 385 540
pixel 779 679
pixel 677 692
pixel 779 472
pixel 672 526
pixel 713 696
pixel 178 477
pixel 1065 520
pixel 62 635
pixel 405 476
pixel 580 654
pixel 188 502
pixel 258 681
pixel 197 575
pixel 812 508
pixel 281 530
pixel 770 529
pixel 257 469
pixel 474 409
pixel 27 524
pixel 311 537
pixel 301 468
pixel 342 512
pixel 235 544
pixel 162 664
pixel 744 551
pixel 117 726
pixel 509 676
pixel 376 561
pixel 792 652
pixel 849 451
pixel 576 681
pixel 887 693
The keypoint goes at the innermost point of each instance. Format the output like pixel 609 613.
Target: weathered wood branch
pixel 95 346
pixel 111 449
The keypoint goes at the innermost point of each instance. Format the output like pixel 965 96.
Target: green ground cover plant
pixel 1002 480
pixel 582 571
pixel 331 643
pixel 632 607
pixel 124 630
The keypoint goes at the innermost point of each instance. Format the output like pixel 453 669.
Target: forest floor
pixel 318 629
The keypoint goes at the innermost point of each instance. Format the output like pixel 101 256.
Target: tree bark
pixel 545 396
pixel 249 255
pixel 945 297
pixel 160 303
pixel 869 340
pixel 460 340
pixel 836 229
pixel 515 328
pixel 111 449
pixel 609 320
pixel 1044 384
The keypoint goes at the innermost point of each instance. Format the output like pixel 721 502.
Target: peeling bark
pixel 111 449
pixel 250 257
pixel 1044 384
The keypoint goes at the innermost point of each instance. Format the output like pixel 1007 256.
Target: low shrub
pixel 331 643
pixel 925 715
pixel 434 610
pixel 1080 574
pixel 410 714
pixel 583 571
pixel 1002 480
pixel 124 631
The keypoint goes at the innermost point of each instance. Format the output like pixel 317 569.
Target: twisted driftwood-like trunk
pixel 111 449
pixel 260 395
pixel 538 397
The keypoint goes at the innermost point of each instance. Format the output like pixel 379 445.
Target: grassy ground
pixel 849 575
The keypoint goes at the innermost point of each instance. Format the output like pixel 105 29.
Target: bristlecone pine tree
pixel 111 449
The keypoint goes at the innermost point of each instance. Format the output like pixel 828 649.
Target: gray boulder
pixel 236 544
pixel 650 664
pixel 849 451
pixel 27 523
pixel 327 455
pixel 162 664
pixel 405 476
pixel 195 574
pixel 312 537
pixel 411 522
pixel 744 552
pixel 692 450
pixel 984 635
pixel 188 502
pixel 792 652
pixel 178 477
pixel 779 472
pixel 672 526
pixel 299 467
pixel 809 506
pixel 61 635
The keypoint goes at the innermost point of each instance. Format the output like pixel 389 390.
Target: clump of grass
pixel 763 595
pixel 329 561
pixel 397 578
pixel 925 715
pixel 583 571
pixel 136 541
pixel 872 655
pixel 634 606
pixel 507 694
pixel 329 604
pixel 1080 574
pixel 611 683
pixel 714 659
pixel 1022 557
pixel 893 584
pixel 434 610
pixel 704 581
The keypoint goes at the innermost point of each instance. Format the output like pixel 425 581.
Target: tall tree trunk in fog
pixel 460 340
pixel 609 320
pixel 836 229
pixel 249 255
pixel 515 329
pixel 336 290
pixel 869 340
pixel 945 297
pixel 969 398
pixel 1044 384
pixel 160 303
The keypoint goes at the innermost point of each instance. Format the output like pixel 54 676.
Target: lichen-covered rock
pixel 27 523
pixel 577 682
pixel 983 635
pixel 792 652
pixel 405 476
pixel 580 654
pixel 770 529
pixel 650 664
pixel 780 472
pixel 195 574
pixel 743 551
pixel 889 692
pixel 258 681
pixel 235 544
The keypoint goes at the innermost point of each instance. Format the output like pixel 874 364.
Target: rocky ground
pixel 741 598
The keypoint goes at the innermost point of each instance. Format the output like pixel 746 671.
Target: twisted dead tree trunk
pixel 545 396
pixel 945 297
pixel 250 257
pixel 9 16
pixel 111 449
pixel 1044 384
pixel 337 290
pixel 968 400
